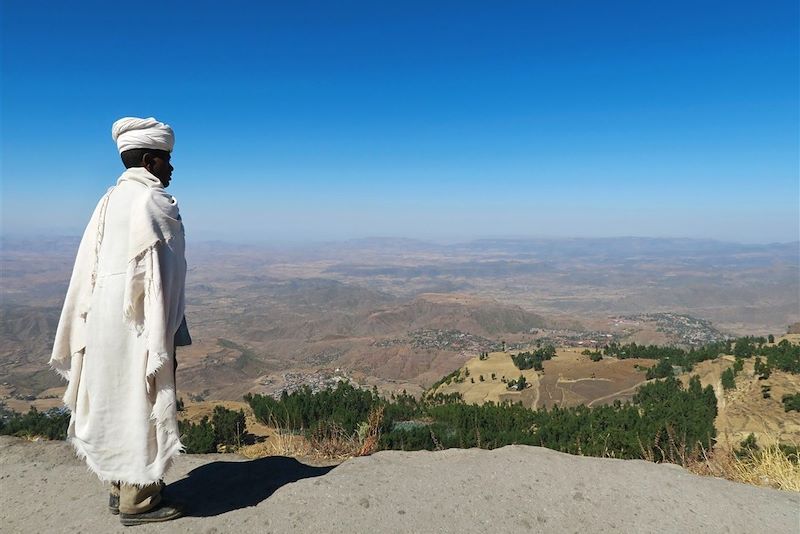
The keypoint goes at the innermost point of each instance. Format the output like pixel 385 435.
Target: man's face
pixel 159 166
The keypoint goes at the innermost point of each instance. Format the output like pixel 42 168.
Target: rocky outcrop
pixel 513 489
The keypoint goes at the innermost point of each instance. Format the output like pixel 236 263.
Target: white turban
pixel 132 132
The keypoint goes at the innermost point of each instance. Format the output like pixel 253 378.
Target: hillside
pixel 516 488
pixel 399 314
pixel 746 410
pixel 569 379
pixel 249 337
pixel 467 313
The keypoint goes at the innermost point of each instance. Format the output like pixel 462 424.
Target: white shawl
pixel 132 258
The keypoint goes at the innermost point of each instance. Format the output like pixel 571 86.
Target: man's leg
pixel 139 499
pixel 139 505
pixel 113 498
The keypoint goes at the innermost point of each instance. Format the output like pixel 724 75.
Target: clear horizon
pixel 453 121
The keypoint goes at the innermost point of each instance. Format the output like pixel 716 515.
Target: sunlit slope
pixel 754 406
pixel 569 379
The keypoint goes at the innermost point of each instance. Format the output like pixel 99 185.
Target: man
pixel 116 337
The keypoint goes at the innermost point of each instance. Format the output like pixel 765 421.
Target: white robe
pixel 115 339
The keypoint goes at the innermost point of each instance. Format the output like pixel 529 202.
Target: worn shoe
pixel 113 503
pixel 162 512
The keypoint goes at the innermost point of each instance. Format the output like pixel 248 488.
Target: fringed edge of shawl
pixel 165 400
pixel 66 372
pixel 174 450
pixel 163 421
pixel 164 411
pixel 129 301
pixel 60 367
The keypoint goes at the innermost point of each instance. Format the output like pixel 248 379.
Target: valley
pixel 400 314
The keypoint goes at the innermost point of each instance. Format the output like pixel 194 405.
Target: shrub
pixel 662 369
pixel 198 438
pixel 791 402
pixel 748 444
pixel 533 360
pixel 303 409
pixel 761 369
pixel 51 424
pixel 521 382
pixel 728 379
pixel 229 426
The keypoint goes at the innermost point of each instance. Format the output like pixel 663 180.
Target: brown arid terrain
pixel 744 410
pixel 569 379
pixel 400 314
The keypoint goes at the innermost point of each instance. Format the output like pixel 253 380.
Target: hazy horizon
pixel 446 241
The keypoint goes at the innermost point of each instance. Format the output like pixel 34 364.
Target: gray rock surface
pixel 514 489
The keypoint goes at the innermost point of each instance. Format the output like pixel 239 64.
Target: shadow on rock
pixel 221 487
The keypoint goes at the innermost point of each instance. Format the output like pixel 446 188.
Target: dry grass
pixel 569 379
pixel 328 441
pixel 767 466
pixel 281 441
pixel 371 433
pixel 676 452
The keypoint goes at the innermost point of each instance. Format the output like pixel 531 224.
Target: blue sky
pixel 437 120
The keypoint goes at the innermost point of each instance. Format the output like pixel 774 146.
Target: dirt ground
pixel 569 379
pixel 47 399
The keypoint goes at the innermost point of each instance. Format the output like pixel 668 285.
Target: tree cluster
pixel 449 379
pixel 728 379
pixel 761 369
pixel 685 359
pixel 226 428
pixel 533 359
pixel 791 402
pixel 518 385
pixel 51 424
pixel 662 369
pixel 784 355
pixel 594 355
pixel 344 405
pixel 663 417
